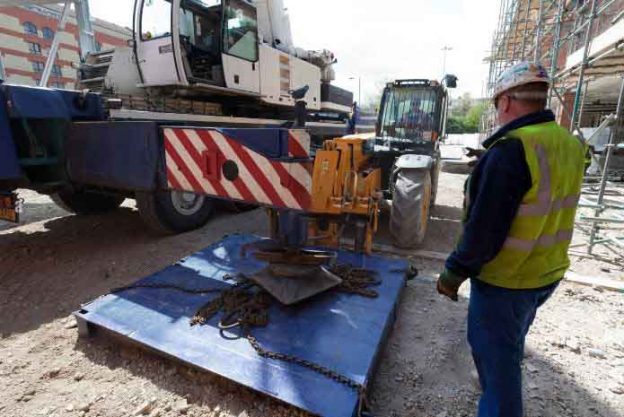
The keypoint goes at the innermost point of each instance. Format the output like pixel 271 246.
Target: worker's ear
pixel 504 103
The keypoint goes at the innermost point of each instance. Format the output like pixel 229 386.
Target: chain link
pixel 356 280
pixel 319 369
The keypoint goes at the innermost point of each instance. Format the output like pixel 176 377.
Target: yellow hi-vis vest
pixel 535 253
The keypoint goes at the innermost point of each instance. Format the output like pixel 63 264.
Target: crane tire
pixel 86 202
pixel 174 212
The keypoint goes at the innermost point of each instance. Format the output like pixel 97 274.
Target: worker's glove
pixel 474 153
pixel 449 283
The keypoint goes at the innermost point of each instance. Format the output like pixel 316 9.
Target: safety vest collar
pixel 536 118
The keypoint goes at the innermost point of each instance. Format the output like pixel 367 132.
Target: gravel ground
pixel 50 265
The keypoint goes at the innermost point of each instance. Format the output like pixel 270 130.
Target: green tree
pixel 461 105
pixel 475 114
pixel 465 115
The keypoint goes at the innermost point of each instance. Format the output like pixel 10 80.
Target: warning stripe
pixel 195 150
pixel 184 169
pixel 225 189
pixel 189 152
pixel 272 175
pixel 263 182
pixel 300 194
pixel 175 178
pixel 194 161
pixel 173 181
pixel 302 173
pixel 296 148
pixel 244 178
pixel 262 170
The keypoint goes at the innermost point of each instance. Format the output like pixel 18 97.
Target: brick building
pixel 26 35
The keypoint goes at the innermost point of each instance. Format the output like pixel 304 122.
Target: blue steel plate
pixel 340 331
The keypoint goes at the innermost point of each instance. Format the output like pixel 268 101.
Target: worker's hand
pixel 449 283
pixel 472 152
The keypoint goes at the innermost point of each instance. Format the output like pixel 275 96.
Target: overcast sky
pixel 380 40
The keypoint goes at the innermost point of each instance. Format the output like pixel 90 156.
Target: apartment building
pixel 26 35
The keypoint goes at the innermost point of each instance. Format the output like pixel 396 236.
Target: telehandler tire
pixel 410 207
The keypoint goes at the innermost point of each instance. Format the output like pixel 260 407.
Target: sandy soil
pixel 56 261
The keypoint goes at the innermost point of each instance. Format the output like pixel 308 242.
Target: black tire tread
pixel 86 202
pixel 407 225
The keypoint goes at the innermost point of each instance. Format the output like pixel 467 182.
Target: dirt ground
pixel 55 261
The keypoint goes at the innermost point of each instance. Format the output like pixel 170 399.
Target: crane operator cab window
pixel 155 19
pixel 241 30
pixel 200 39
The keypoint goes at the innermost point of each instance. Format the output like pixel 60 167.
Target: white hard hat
pixel 520 74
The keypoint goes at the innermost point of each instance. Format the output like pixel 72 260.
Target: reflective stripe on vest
pixel 535 252
pixel 545 241
pixel 545 203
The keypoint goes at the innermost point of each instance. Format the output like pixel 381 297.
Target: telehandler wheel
pixel 86 202
pixel 172 212
pixel 410 207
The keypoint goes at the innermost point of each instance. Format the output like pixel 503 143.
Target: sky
pixel 377 41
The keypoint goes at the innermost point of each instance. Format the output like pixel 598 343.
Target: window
pixel 2 74
pixel 30 28
pixel 98 46
pixel 56 71
pixel 56 84
pixel 241 34
pixel 34 48
pixel 47 33
pixel 202 29
pixel 37 66
pixel 155 19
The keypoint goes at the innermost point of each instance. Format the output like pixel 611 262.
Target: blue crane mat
pixel 339 331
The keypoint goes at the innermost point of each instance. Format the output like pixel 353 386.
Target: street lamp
pixel 445 51
pixel 359 78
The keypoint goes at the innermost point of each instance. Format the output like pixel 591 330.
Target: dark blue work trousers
pixel 498 322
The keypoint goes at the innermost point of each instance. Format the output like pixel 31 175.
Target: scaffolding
pixel 581 42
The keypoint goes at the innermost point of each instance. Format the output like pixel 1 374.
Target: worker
pixel 520 205
pixel 416 118
pixel 354 119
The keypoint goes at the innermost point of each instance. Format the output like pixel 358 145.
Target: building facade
pixel 26 35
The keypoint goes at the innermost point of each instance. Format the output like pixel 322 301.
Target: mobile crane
pixel 208 63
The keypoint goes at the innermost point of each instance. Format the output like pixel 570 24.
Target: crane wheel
pixel 86 202
pixel 411 203
pixel 173 212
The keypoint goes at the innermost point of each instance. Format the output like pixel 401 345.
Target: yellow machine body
pixel 345 189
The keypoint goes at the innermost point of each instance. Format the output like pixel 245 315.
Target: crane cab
pixel 183 42
pixel 218 47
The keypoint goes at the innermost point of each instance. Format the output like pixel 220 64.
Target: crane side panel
pixel 303 73
pixel 272 70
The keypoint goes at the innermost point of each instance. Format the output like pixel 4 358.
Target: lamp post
pixel 359 78
pixel 445 51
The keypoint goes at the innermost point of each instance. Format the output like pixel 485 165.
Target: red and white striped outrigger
pixel 206 161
